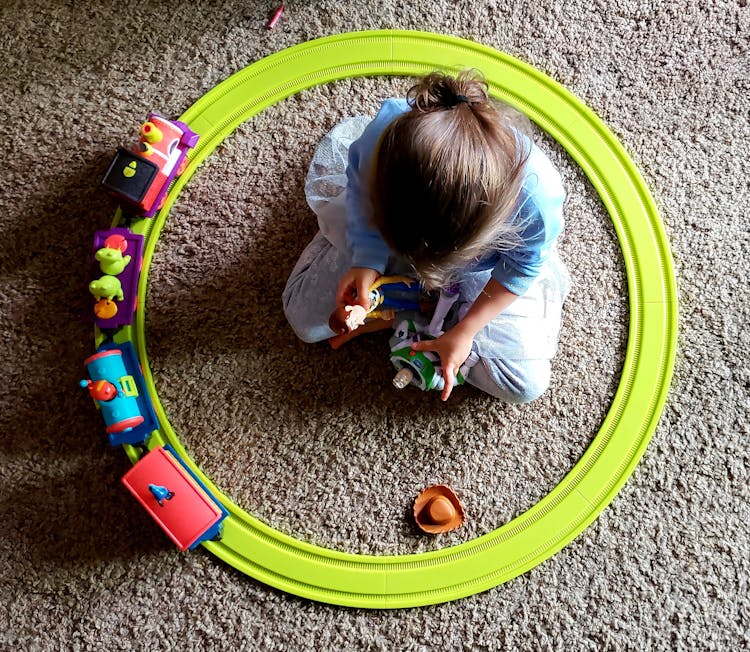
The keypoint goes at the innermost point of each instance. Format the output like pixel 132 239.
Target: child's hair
pixel 447 175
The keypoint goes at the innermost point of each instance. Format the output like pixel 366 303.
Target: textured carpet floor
pixel 315 442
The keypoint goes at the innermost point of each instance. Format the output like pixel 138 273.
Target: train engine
pixel 141 177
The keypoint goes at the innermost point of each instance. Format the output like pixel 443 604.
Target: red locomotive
pixel 141 177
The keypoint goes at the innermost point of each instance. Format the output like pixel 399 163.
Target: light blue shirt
pixel 538 215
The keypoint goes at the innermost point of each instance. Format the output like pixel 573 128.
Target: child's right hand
pixel 356 283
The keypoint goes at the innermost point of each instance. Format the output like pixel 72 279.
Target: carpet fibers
pixel 315 442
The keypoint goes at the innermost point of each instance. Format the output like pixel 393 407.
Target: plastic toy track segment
pixel 411 580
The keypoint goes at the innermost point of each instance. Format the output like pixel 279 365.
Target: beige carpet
pixel 315 442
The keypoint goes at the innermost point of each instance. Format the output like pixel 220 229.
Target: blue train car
pixel 114 391
pixel 118 389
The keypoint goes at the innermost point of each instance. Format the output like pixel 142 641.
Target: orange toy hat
pixel 438 510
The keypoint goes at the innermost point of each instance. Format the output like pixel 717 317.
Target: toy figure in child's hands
pixel 421 368
pixel 387 294
pixel 346 319
pixel 448 296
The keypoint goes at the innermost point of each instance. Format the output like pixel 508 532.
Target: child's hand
pixel 454 348
pixel 356 283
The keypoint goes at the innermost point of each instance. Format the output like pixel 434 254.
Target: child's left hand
pixel 454 348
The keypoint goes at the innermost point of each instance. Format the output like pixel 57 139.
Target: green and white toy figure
pixel 420 368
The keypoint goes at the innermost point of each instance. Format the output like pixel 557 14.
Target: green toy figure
pixel 420 368
pixel 111 261
pixel 107 287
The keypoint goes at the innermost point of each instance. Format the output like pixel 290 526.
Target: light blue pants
pixel 515 349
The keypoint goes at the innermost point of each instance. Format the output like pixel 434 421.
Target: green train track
pixel 419 579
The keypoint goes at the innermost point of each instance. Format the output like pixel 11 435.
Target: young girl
pixel 444 186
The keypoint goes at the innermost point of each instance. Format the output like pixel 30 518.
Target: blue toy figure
pixel 160 493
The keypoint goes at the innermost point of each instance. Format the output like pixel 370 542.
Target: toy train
pixel 115 399
pixel 141 177
pixel 161 481
pixel 180 503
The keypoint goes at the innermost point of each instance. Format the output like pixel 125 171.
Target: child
pixel 444 186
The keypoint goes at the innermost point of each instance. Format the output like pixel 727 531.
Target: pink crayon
pixel 275 17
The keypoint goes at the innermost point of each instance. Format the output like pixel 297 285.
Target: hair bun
pixel 441 91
